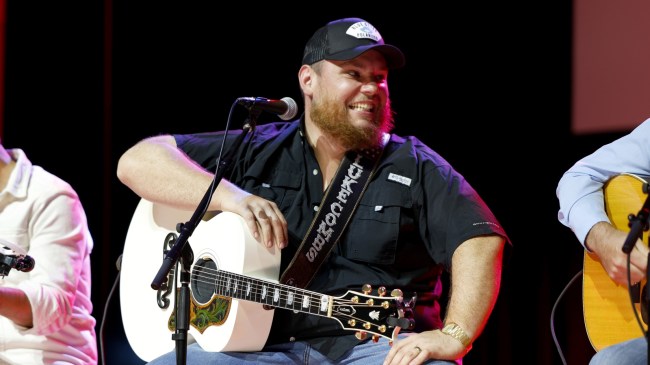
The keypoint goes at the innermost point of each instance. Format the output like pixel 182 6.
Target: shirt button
pixel 315 208
pixel 292 339
pixel 315 172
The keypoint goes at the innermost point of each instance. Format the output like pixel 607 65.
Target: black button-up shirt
pixel 415 212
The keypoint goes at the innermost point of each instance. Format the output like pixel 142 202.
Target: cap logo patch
pixel 364 30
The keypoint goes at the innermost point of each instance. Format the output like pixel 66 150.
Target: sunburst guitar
pixel 227 263
pixel 607 307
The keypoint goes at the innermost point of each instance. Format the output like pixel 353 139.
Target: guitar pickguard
pixel 206 308
pixel 202 316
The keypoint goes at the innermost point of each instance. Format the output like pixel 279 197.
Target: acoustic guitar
pixel 607 307
pixel 228 263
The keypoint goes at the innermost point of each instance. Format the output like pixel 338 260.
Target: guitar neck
pixel 243 287
pixel 356 311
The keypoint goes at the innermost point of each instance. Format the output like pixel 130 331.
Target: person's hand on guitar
pixel 263 217
pixel 606 241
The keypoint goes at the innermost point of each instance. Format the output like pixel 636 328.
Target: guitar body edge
pixel 224 239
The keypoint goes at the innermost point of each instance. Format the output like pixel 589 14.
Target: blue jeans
pixel 287 353
pixel 632 352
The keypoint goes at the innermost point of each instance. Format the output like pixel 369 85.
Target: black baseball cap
pixel 347 38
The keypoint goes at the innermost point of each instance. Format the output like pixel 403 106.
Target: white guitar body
pixel 224 240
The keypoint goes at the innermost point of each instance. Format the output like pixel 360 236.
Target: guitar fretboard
pixel 260 291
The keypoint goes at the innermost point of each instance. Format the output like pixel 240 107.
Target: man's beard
pixel 332 119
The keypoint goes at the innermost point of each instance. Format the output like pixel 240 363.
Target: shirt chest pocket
pixel 282 188
pixel 373 232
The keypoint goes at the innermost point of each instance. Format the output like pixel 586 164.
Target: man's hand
pixel 264 219
pixel 420 347
pixel 607 242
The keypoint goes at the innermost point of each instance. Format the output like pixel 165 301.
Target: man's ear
pixel 306 78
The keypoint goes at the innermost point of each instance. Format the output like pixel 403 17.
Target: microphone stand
pixel 179 247
pixel 638 224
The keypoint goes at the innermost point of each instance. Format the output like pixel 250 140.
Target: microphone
pixel 24 263
pixel 286 108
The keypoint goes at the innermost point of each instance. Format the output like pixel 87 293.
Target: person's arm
pixel 582 205
pixel 15 306
pixel 475 283
pixel 156 170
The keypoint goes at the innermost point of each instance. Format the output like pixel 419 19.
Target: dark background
pixel 488 87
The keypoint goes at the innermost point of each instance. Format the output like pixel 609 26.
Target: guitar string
pixel 223 276
pixel 257 289
pixel 220 280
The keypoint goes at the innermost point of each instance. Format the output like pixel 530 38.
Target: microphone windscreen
pixel 292 109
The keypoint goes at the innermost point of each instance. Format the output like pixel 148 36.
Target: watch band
pixel 455 331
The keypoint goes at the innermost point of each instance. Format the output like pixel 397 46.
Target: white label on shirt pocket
pixel 399 179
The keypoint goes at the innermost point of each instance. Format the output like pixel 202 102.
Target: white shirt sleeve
pixel 579 191
pixel 59 245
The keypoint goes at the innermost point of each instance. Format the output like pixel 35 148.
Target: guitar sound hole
pixel 202 283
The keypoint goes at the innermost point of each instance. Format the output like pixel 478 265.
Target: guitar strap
pixel 334 213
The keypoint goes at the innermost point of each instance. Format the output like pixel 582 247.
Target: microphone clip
pixel 22 263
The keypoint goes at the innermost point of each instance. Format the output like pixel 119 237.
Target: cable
pixel 629 290
pixel 557 344
pixel 118 263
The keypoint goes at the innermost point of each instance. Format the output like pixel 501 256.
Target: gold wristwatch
pixel 455 331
